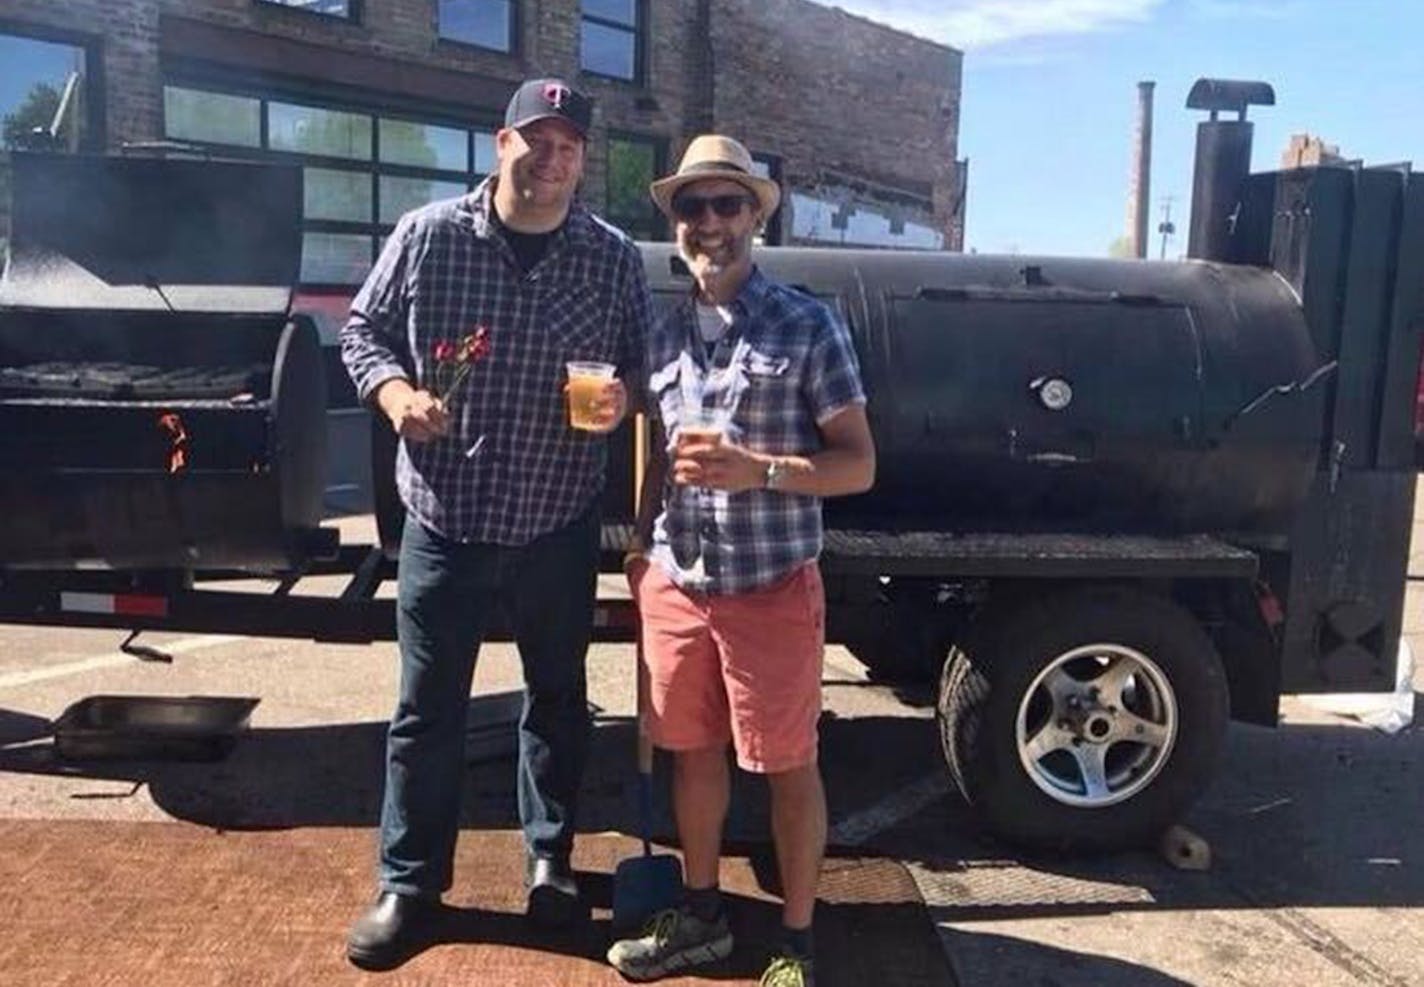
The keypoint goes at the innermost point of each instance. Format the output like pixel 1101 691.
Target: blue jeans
pixel 446 592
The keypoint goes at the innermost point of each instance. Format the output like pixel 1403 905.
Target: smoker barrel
pixel 159 408
pixel 1050 394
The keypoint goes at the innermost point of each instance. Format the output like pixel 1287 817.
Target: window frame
pixel 352 15
pixel 93 95
pixel 370 166
pixel 516 32
pixel 639 30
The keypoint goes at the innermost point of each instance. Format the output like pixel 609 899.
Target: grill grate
pixel 119 381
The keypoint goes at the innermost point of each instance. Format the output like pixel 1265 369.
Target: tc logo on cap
pixel 555 94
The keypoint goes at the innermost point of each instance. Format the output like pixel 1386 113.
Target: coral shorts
pixel 744 667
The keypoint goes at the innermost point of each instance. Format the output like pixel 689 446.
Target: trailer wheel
pixel 1089 720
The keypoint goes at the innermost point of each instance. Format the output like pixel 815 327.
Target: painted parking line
pixel 178 647
pixel 890 811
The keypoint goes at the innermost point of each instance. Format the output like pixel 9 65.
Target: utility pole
pixel 1166 227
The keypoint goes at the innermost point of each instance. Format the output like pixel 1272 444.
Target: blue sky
pixel 1050 91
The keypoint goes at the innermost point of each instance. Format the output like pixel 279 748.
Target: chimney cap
pixel 1229 94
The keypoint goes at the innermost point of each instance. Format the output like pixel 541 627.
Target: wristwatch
pixel 775 475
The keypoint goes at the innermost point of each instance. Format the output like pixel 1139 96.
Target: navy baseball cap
pixel 541 99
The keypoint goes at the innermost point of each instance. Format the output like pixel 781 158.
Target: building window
pixel 213 118
pixel 41 97
pixel 612 38
pixel 633 163
pixel 361 169
pixel 486 23
pixel 345 9
pixel 769 166
pixel 317 131
pixel 424 145
pixel 843 217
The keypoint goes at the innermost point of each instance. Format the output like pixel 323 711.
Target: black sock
pixel 705 903
pixel 799 943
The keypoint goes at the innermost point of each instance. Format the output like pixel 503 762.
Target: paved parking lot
pixel 1316 878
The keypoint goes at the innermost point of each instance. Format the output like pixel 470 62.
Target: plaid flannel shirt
pixel 511 468
pixel 784 365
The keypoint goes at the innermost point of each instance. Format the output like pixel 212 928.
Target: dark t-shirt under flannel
pixel 511 468
pixel 785 365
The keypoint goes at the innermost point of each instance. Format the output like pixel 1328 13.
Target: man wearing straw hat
pixel 757 385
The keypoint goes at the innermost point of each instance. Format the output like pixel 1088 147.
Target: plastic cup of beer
pixel 588 380
pixel 702 428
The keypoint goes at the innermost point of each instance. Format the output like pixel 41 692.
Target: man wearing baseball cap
pixel 756 384
pixel 501 493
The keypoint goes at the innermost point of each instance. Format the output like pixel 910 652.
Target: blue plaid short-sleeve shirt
pixel 512 467
pixel 785 364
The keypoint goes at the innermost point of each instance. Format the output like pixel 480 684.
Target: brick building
pixel 1309 151
pixel 388 104
pixel 391 103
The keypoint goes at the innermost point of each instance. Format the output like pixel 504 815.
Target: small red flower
pixel 474 347
pixel 454 360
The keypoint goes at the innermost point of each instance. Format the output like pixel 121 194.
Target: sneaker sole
pixel 709 952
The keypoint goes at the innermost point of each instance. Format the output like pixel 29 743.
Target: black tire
pixel 989 673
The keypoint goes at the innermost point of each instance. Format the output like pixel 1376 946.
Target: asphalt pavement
pixel 1314 875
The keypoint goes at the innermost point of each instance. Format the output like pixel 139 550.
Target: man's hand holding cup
pixel 703 457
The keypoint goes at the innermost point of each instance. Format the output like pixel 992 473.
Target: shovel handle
pixel 645 744
pixel 645 751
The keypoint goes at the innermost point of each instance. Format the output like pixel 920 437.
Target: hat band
pixel 712 166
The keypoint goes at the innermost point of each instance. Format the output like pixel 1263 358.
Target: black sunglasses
pixel 690 207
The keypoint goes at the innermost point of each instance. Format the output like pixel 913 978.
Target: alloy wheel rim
pixel 1096 725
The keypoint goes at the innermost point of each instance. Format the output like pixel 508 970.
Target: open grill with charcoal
pixel 159 407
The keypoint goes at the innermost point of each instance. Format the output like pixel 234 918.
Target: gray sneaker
pixel 673 939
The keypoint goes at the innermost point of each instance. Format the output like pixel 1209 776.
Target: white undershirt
pixel 712 321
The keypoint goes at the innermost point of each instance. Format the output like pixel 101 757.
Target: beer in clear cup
pixel 701 429
pixel 588 381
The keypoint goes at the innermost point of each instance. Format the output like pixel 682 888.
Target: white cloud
pixel 980 23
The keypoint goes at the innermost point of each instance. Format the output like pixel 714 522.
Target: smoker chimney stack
pixel 1223 162
pixel 1140 187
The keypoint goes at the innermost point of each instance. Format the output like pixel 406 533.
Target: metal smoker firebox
pixel 159 407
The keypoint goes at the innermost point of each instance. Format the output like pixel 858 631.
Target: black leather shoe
pixel 391 931
pixel 554 901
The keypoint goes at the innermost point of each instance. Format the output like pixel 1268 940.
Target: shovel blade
pixel 644 885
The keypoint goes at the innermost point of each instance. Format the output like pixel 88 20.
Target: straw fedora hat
pixel 715 156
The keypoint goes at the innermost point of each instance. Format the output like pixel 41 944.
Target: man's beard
pixel 728 255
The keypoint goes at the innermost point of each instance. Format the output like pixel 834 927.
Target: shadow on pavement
pixel 1007 960
pixel 332 775
pixel 19 728
pixel 1306 815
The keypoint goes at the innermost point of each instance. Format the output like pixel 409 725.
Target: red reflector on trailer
pixel 141 606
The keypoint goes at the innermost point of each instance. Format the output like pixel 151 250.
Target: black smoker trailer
pixel 1118 501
